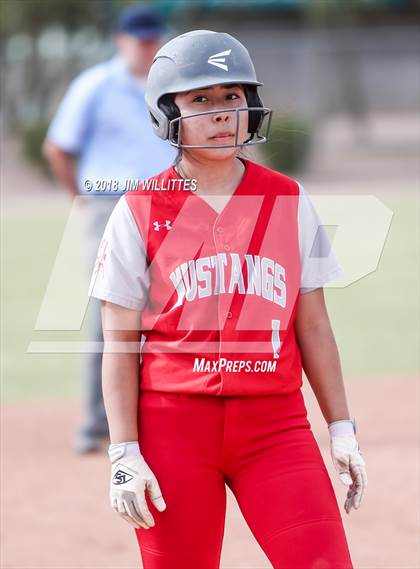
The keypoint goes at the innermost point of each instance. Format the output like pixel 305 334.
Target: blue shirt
pixel 103 119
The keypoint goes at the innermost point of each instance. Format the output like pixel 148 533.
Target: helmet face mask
pixel 197 60
pixel 256 137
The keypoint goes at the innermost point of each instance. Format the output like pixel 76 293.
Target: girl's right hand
pixel 130 477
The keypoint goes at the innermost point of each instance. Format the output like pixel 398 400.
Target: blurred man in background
pixel 100 137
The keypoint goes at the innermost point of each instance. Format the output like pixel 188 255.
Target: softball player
pixel 225 282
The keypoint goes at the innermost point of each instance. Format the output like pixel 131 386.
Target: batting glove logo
pixel 121 477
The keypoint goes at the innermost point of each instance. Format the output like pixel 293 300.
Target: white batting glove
pixel 348 461
pixel 130 477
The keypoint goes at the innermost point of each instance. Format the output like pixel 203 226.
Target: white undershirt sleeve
pixel 121 272
pixel 319 264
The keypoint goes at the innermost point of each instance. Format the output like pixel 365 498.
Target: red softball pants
pixel 263 448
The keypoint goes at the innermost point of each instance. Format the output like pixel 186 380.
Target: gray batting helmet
pixel 201 58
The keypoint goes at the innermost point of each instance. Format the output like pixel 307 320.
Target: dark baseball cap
pixel 141 21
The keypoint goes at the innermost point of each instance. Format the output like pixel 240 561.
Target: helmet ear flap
pixel 171 111
pixel 255 118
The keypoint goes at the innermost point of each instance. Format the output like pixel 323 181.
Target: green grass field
pixel 29 250
pixel 375 320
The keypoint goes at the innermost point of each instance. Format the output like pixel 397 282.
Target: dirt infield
pixel 55 504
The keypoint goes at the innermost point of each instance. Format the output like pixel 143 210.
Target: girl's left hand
pixel 351 468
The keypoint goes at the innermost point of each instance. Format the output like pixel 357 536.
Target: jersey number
pixel 275 338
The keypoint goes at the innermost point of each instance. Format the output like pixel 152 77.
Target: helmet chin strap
pixel 181 171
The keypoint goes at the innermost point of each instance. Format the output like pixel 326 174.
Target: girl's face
pixel 213 129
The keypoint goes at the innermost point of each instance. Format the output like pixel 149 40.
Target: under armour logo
pixel 219 59
pixel 121 477
pixel 158 225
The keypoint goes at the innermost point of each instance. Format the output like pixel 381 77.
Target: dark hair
pixel 178 157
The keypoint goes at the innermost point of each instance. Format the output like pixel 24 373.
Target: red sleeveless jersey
pixel 224 287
